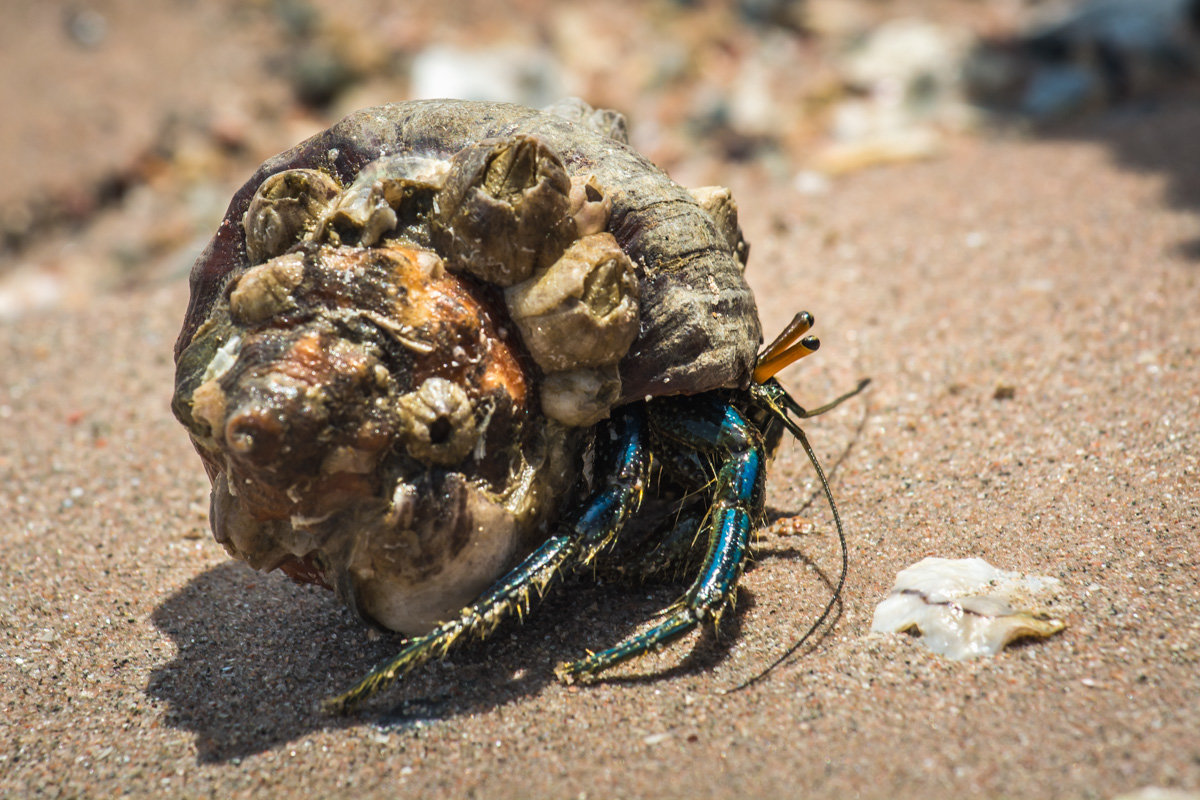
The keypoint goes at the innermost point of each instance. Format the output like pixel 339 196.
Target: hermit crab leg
pixel 773 398
pixel 770 397
pixel 624 456
pixel 713 426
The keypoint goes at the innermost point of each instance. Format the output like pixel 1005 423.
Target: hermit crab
pixel 436 355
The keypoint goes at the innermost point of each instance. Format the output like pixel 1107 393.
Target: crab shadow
pixel 256 654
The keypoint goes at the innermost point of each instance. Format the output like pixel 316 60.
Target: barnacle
pixel 390 195
pixel 286 206
pixel 503 212
pixel 582 311
pixel 439 422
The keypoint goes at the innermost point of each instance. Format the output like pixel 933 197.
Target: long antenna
pixel 798 432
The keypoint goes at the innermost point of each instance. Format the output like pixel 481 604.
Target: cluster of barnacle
pixel 367 417
pixel 504 212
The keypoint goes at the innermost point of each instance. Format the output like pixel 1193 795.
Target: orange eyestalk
pixel 786 350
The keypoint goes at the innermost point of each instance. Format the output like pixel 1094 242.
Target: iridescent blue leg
pixel 708 424
pixel 624 459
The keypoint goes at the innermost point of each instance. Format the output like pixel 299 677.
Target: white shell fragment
pixel 965 608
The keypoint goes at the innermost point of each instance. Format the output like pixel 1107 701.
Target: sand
pixel 1027 311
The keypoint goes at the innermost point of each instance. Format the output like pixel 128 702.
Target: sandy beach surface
pixel 1027 309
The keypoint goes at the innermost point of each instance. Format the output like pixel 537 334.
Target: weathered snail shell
pixel 406 327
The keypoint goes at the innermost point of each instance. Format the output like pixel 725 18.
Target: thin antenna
pixel 805 414
pixel 837 520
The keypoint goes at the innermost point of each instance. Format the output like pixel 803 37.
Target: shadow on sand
pixel 1159 135
pixel 1145 103
pixel 256 654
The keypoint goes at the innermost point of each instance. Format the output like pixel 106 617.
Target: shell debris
pixel 966 608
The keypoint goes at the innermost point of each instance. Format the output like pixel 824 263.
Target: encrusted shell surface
pixel 698 327
pixel 403 331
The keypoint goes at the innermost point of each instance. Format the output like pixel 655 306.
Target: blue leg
pixel 624 458
pixel 717 428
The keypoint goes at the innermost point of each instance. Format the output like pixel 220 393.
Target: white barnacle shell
pixel 284 208
pixel 590 205
pixel 718 203
pixel 580 397
pixel 222 360
pixel 375 203
pixel 266 290
pixel 965 608
pixel 583 310
pixel 439 420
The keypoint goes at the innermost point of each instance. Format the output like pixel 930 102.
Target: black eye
pixel 439 430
